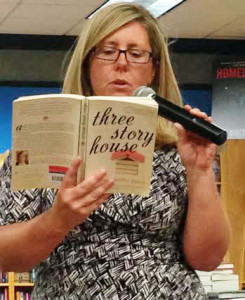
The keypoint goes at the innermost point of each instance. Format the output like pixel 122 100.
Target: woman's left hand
pixel 197 153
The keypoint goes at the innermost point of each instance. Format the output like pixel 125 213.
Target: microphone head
pixel 143 91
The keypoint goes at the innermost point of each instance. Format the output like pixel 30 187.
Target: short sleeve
pixel 19 206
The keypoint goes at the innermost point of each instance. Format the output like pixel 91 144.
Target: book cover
pixel 224 271
pixel 6 294
pixel 224 266
pixel 225 285
pixel 224 277
pixel 239 295
pixel 115 133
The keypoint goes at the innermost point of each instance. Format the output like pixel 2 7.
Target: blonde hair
pixel 103 24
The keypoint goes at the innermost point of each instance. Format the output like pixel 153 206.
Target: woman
pixel 22 158
pixel 87 244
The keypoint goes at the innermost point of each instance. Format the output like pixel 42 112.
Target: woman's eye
pixel 136 53
pixel 108 51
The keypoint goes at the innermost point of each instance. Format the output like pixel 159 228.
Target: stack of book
pixel 206 281
pixel 220 280
pixel 225 282
pixel 224 279
pixel 236 295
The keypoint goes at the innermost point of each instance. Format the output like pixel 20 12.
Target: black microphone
pixel 178 114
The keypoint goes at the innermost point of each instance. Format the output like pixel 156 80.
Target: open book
pixel 115 133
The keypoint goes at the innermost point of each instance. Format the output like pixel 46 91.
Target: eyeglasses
pixel 132 55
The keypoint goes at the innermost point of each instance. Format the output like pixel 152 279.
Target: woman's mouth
pixel 120 82
pixel 120 87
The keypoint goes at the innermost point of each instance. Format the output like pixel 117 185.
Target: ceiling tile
pixel 43 17
pixel 40 11
pixel 28 26
pixel 190 19
pixel 6 7
pixel 8 1
pixel 235 29
pixel 198 18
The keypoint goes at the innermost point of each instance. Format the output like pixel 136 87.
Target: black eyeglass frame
pixel 94 50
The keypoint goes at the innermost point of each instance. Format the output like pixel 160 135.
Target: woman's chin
pixel 120 90
pixel 121 94
pixel 115 90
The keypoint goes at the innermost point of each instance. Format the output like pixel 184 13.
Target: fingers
pixel 75 203
pixel 197 112
pixel 187 107
pixel 185 136
pixel 86 210
pixel 93 188
pixel 89 194
pixel 182 133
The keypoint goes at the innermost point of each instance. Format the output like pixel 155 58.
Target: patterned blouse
pixel 129 249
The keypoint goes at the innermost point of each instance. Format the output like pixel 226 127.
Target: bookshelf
pixel 4 290
pixel 232 162
pixel 12 288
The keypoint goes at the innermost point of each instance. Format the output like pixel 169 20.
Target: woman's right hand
pixel 75 202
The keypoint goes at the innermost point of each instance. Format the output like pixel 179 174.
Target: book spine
pixel 83 136
pixel 22 296
pixel 27 296
pixel 6 294
pixel 18 295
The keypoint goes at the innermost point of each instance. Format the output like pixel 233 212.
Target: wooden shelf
pixel 23 284
pixel 4 284
pixel 232 158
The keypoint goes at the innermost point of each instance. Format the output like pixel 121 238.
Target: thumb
pixel 70 179
pixel 181 132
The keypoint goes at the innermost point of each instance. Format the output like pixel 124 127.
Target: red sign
pixel 224 73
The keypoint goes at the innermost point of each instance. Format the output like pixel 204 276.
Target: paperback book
pixel 115 133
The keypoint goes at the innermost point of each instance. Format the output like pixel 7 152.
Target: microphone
pixel 178 114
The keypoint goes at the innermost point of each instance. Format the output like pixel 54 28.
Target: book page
pixel 45 139
pixel 121 139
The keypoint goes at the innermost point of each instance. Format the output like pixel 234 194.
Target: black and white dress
pixel 129 249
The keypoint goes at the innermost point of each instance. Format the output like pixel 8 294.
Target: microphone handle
pixel 192 123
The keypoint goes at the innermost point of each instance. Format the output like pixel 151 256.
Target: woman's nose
pixel 122 59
